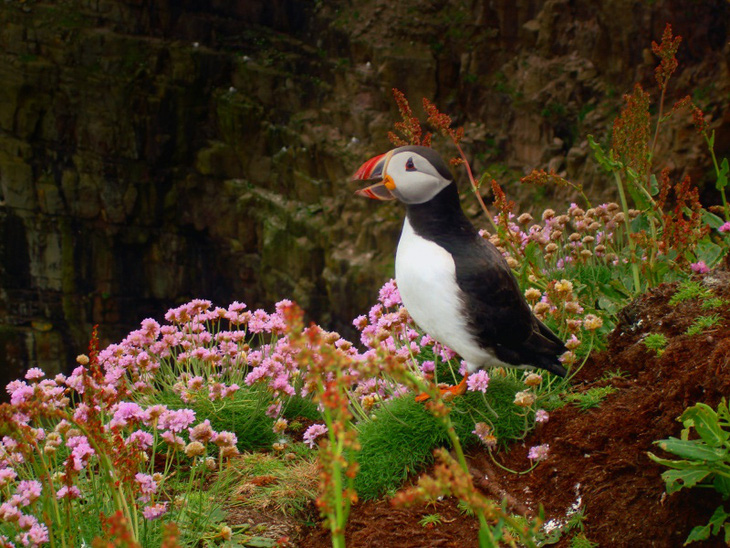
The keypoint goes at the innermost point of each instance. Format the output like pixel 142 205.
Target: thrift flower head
pixel 154 511
pixel 202 432
pixel 541 416
pixel 533 379
pixel 478 381
pixel 592 322
pixel 524 398
pixel 389 295
pixel 312 433
pixel 147 486
pixel 700 267
pixel 538 452
pixel 34 373
pixel 194 449
pixel 484 432
pixel 27 492
pixel 724 227
pixel 68 492
pixel 176 421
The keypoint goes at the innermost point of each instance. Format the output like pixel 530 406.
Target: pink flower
pixel 360 322
pixel 202 432
pixel 541 416
pixel 484 432
pixel 446 352
pixel 176 421
pixel 154 511
pixel 478 381
pixel 81 451
pixel 27 492
pixel 700 267
pixel 19 392
pixel 34 373
pixel 428 366
pixel 147 486
pixel 312 433
pixel 141 438
pixel 38 534
pixel 539 452
pixel 173 439
pixel 124 412
pixel 7 475
pixel 225 439
pixel 389 295
pixel 9 512
pixel 68 492
pixel 724 227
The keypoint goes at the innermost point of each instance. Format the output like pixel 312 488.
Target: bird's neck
pixel 441 217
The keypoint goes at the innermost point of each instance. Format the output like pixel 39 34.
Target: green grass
pixel 688 290
pixel 243 413
pixel 702 323
pixel 591 398
pixel 656 342
pixel 715 302
pixel 431 520
pixel 401 438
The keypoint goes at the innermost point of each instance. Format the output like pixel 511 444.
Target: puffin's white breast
pixel 426 277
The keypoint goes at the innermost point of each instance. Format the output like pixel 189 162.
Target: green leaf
pixel 701 532
pixel 722 176
pixel 716 523
pixel 712 220
pixel 603 160
pixel 705 421
pixel 721 485
pixel 692 449
pixel 653 185
pixel 640 200
pixel 679 479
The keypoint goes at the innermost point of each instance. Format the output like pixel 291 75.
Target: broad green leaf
pixel 721 485
pixel 712 220
pixel 705 421
pixel 722 176
pixel 717 522
pixel 679 464
pixel 701 532
pixel 722 411
pixel 679 479
pixel 693 449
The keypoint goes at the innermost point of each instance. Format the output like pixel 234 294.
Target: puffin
pixel 457 286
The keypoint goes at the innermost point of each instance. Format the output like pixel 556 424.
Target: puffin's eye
pixel 409 165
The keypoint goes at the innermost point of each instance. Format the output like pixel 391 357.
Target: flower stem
pixel 632 244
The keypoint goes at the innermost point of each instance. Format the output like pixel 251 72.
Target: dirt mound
pixel 598 458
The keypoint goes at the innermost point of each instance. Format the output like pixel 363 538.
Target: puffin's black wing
pixel 498 313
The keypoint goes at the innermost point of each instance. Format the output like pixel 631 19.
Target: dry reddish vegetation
pixel 597 455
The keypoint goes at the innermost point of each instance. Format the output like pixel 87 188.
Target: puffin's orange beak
pixel 372 170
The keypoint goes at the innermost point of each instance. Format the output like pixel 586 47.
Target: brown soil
pixel 597 457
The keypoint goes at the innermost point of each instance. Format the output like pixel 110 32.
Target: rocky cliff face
pixel 152 152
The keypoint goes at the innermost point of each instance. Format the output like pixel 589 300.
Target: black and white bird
pixel 456 286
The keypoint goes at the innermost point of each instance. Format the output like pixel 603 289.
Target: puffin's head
pixel 411 174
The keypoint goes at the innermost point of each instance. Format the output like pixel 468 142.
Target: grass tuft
pixel 401 438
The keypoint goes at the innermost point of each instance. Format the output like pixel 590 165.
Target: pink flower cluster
pixel 30 531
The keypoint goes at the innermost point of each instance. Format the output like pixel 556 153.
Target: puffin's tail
pixel 541 349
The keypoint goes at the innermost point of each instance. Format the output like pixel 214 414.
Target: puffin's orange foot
pixel 456 390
